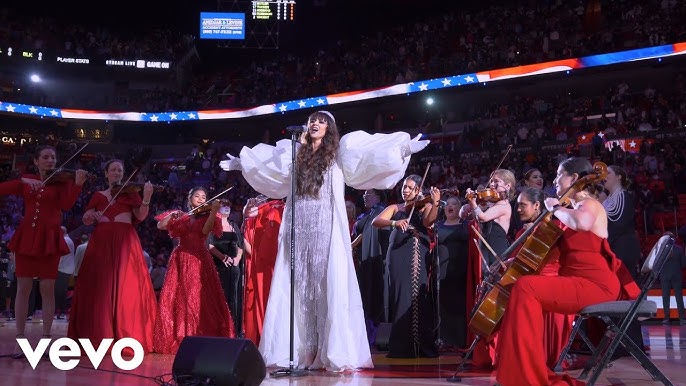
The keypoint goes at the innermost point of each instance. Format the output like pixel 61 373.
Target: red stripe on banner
pixel 530 68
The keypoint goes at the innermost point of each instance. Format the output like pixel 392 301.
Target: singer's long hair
pixel 312 164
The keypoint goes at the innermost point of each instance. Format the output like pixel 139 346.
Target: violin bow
pixel 420 189
pixel 190 212
pixel 120 190
pixel 483 240
pixel 65 162
pixel 507 151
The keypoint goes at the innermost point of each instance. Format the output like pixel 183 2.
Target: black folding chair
pixel 626 311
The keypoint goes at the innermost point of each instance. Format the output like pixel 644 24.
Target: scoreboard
pixel 279 10
pixel 248 23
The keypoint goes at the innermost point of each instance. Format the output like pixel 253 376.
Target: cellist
pixel 589 273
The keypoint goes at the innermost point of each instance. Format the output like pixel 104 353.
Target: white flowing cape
pixel 364 161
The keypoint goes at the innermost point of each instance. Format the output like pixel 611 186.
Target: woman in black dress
pixel 452 247
pixel 621 226
pixel 622 236
pixel 228 258
pixel 410 307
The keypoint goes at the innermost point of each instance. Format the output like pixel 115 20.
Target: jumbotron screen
pixel 242 17
pixel 222 25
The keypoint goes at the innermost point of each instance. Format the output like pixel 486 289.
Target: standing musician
pixel 114 297
pixel 495 221
pixel 38 242
pixel 411 311
pixel 191 300
pixel 589 273
pixel 494 224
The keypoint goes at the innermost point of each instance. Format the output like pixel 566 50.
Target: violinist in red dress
pixel 38 242
pixel 114 297
pixel 192 301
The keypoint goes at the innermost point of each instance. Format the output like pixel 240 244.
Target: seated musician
pixel 589 273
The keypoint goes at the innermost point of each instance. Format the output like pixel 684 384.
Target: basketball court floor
pixel 667 350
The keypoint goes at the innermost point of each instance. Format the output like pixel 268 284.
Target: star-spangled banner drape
pixel 484 77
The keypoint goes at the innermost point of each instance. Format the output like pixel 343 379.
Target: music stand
pixel 292 371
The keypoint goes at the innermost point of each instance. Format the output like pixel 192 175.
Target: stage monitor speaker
pixel 203 360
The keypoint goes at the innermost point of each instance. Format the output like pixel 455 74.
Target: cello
pixel 532 257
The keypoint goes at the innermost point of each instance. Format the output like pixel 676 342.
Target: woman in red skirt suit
pixel 38 242
pixel 192 301
pixel 114 297
pixel 588 274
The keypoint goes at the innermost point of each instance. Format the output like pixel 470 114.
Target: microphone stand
pixel 292 370
pixel 241 293
pixel 437 283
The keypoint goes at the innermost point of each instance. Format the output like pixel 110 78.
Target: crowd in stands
pixel 656 167
pixel 60 37
pixel 455 42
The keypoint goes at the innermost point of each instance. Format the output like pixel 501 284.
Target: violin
pixel 487 195
pixel 207 207
pixel 419 204
pixel 60 176
pixel 132 187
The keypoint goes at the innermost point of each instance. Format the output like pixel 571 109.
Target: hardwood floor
pixel 667 349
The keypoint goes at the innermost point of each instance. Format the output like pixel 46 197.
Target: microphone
pixel 296 129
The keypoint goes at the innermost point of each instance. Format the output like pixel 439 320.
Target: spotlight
pixel 35 78
pixel 429 101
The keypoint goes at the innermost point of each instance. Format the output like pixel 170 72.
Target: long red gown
pixel 589 273
pixel 192 301
pixel 38 242
pixel 262 232
pixel 114 297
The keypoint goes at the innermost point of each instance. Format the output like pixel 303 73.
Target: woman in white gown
pixel 329 330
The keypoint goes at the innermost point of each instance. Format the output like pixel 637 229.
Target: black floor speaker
pixel 215 361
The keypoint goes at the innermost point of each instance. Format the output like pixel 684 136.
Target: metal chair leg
pixel 570 341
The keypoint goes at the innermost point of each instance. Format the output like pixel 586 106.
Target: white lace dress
pixel 329 324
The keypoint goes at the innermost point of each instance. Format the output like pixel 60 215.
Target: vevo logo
pixel 73 350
